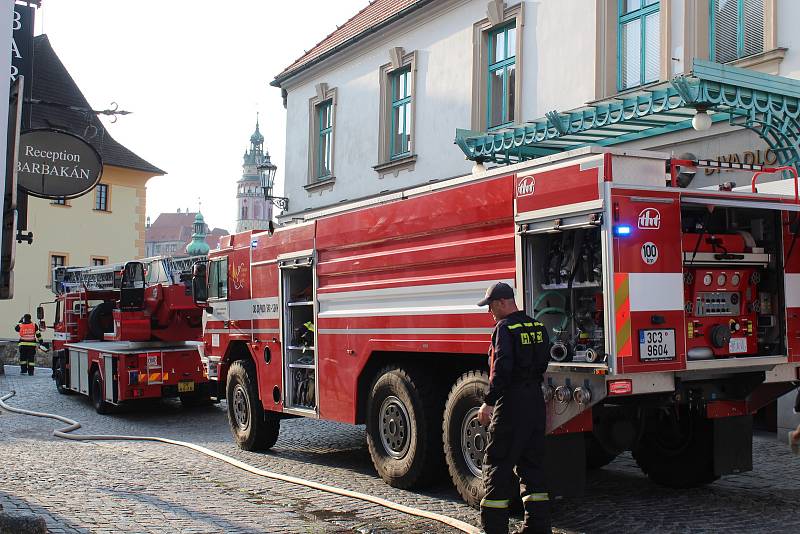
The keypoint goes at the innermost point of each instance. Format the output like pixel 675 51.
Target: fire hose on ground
pixel 65 433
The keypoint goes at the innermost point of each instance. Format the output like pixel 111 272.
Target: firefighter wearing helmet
pixel 29 338
pixel 514 404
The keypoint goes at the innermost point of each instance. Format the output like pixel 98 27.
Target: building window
pixel 324 138
pixel 639 43
pixel 59 202
pixel 101 197
pixel 500 91
pixel 397 105
pixel 736 29
pixel 497 66
pixel 56 260
pixel 96 262
pixel 400 127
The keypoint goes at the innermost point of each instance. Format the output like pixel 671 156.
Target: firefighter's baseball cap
pixel 497 291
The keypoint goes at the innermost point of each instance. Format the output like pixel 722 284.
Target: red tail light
pixel 620 387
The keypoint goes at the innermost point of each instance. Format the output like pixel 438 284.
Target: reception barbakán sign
pixel 54 164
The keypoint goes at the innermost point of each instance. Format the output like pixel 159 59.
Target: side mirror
pixel 200 283
pixel 40 313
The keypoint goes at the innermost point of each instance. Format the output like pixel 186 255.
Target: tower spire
pixel 198 245
pixel 253 212
pixel 256 140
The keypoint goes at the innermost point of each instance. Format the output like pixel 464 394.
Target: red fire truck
pixel 127 331
pixel 674 315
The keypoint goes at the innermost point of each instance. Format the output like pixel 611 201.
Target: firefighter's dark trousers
pixel 27 358
pixel 516 445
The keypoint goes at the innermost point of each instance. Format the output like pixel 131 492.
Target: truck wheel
pixel 677 452
pixel 100 405
pixel 596 455
pixel 60 374
pixel 403 418
pixel 61 386
pixel 252 428
pixel 465 439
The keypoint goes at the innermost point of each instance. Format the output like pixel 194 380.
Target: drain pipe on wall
pixel 65 433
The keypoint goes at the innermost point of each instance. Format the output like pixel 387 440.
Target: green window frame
pixel 638 43
pixel 501 76
pixel 400 120
pixel 324 139
pixel 736 29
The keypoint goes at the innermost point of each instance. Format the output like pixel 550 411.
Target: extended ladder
pixel 160 270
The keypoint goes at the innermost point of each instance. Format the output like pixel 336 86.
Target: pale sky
pixel 194 73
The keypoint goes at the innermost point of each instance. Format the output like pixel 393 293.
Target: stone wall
pixel 10 356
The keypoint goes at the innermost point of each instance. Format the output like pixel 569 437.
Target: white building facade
pixel 374 107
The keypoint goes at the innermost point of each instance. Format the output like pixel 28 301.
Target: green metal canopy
pixel 767 104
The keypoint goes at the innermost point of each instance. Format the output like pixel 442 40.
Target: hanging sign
pixel 22 54
pixel 22 43
pixel 54 164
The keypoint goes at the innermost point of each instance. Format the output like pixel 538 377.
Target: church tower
pixel 198 245
pixel 254 213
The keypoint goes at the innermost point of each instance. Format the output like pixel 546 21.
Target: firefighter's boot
pixel 494 520
pixel 537 514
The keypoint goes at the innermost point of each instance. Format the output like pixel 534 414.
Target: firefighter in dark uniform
pixel 29 338
pixel 514 404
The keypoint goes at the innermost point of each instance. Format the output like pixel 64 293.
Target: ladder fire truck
pixel 127 331
pixel 674 315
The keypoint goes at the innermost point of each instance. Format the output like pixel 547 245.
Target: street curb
pixel 22 524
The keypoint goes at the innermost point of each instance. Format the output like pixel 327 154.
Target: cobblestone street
pixel 148 487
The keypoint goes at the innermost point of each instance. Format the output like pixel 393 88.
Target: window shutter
pixel 753 11
pixel 726 31
pixel 631 50
pixel 652 48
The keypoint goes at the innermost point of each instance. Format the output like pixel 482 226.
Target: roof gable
pixel 59 103
pixel 369 19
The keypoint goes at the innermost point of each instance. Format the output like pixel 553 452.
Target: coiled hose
pixel 74 425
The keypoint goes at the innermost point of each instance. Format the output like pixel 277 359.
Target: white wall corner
pixel 322 90
pixel 495 11
pixel 396 56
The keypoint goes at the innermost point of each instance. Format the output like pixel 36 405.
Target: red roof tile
pixel 376 13
pixel 179 227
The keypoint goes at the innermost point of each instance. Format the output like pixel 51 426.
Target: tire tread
pixel 265 426
pixel 430 466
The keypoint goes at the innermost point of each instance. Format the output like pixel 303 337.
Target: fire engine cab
pixel 674 314
pixel 127 331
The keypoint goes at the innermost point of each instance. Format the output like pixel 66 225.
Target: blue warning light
pixel 622 230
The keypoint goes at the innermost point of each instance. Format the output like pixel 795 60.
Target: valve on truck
pixel 722 297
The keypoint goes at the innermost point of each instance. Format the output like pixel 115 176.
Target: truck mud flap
pixel 565 464
pixel 733 445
